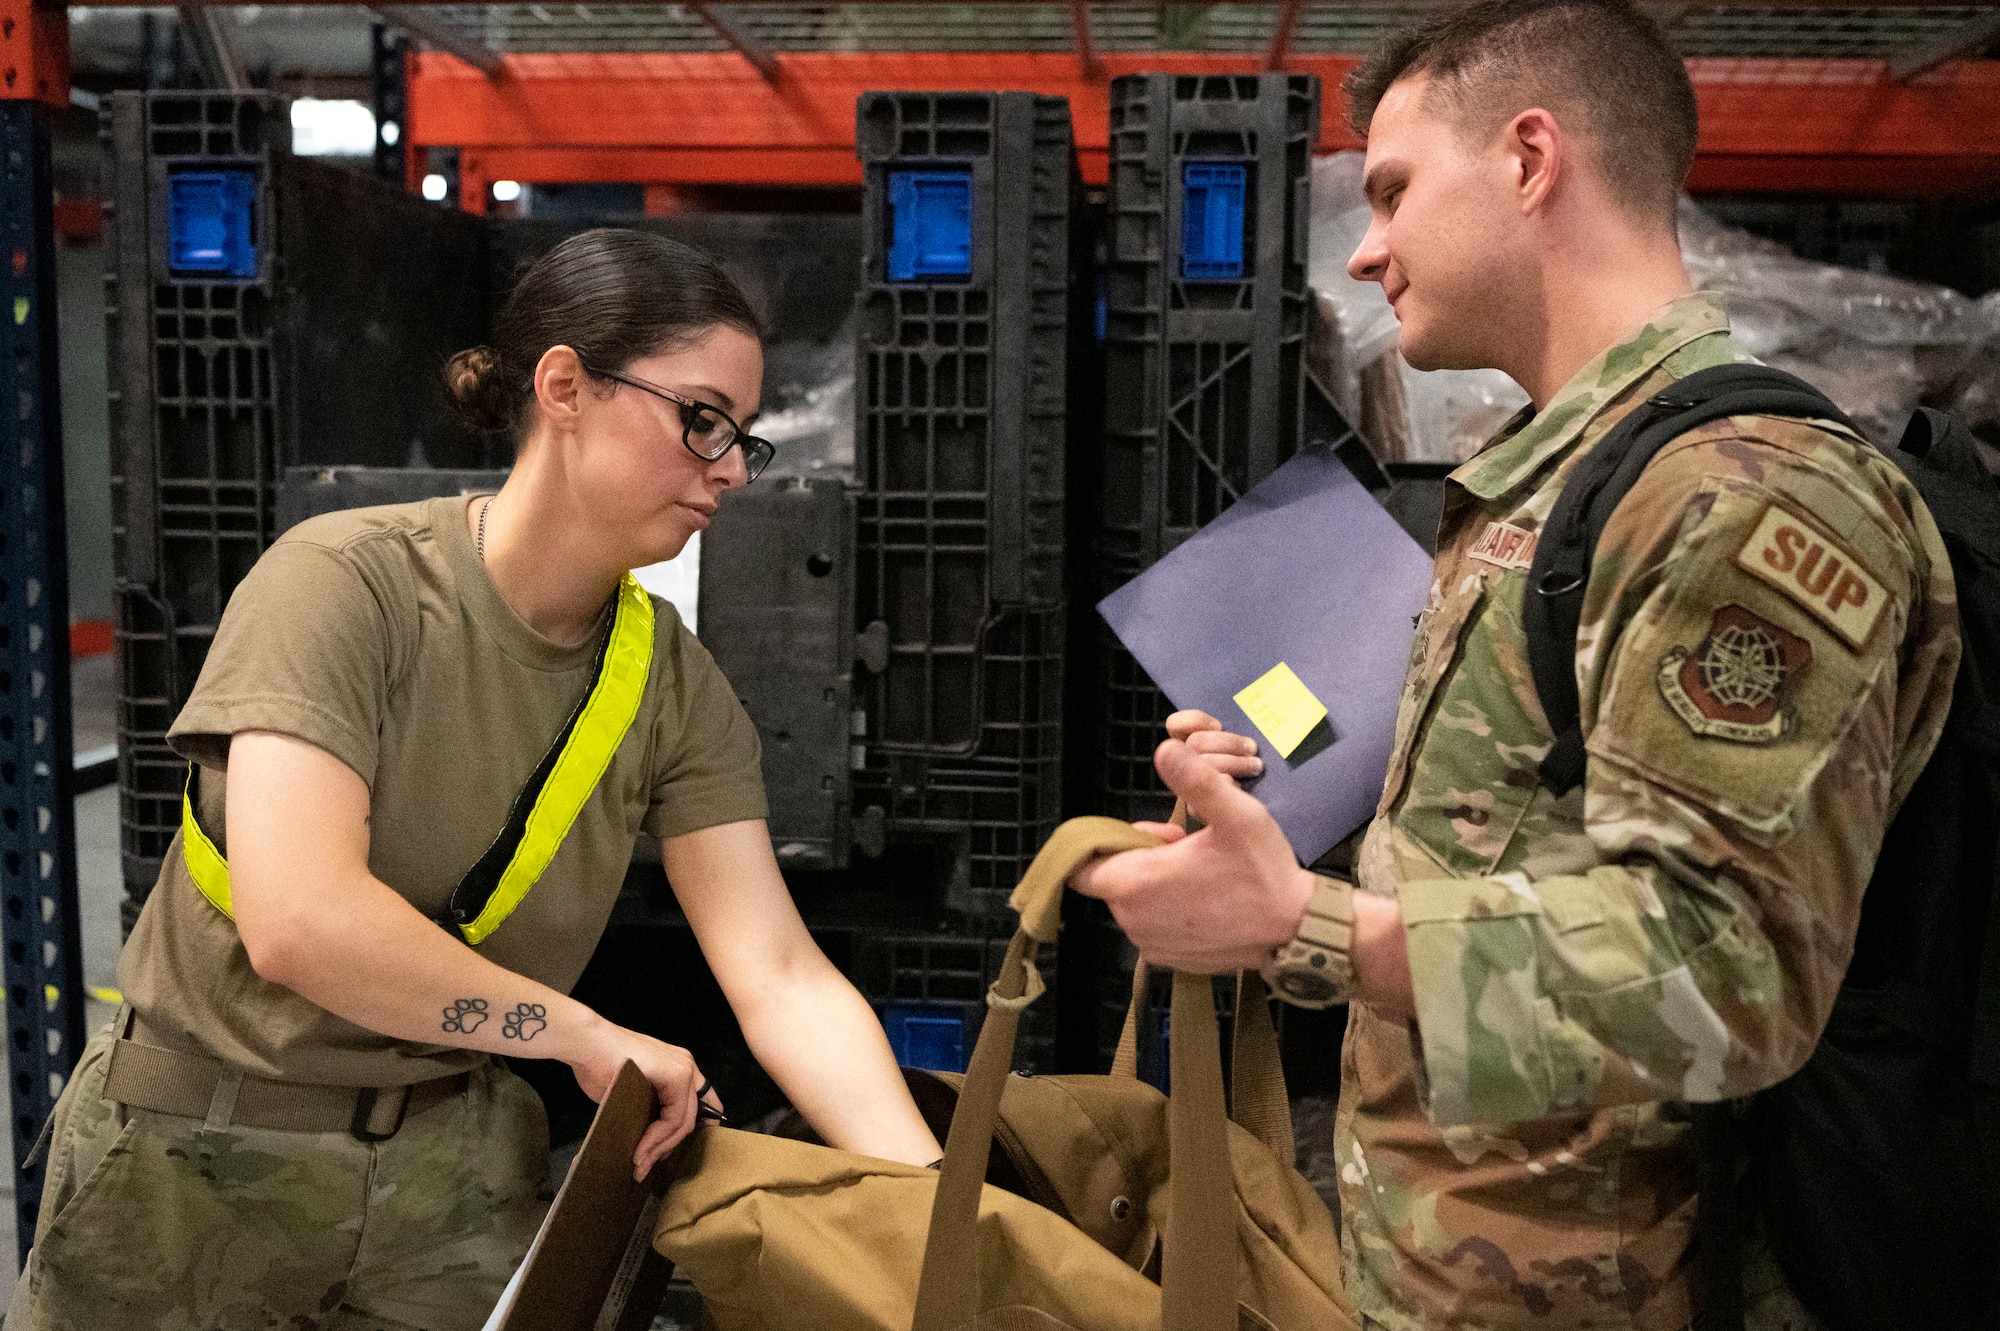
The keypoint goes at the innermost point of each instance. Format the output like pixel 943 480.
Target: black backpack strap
pixel 1553 608
pixel 1717 1279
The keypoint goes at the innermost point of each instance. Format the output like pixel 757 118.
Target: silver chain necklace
pixel 479 537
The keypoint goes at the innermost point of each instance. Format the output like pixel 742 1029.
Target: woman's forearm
pixel 313 918
pixel 380 964
pixel 822 1044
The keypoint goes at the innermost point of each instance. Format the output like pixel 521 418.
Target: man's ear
pixel 1539 150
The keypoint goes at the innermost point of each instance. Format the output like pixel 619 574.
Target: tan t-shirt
pixel 377 635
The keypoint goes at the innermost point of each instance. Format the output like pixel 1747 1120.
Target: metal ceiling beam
pixel 1086 47
pixel 706 118
pixel 1969 39
pixel 412 20
pixel 740 41
pixel 1281 36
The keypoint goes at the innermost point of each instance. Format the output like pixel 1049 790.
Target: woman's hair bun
pixel 477 384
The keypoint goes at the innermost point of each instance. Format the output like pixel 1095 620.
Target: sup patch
pixel 1736 683
pixel 1818 572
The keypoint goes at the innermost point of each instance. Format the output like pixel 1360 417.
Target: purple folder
pixel 1305 570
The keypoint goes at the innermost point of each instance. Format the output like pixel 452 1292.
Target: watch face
pixel 1306 987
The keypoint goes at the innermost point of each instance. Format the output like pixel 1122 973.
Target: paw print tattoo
pixel 525 1022
pixel 465 1016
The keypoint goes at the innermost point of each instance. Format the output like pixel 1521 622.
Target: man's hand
pixel 1212 901
pixel 1231 755
pixel 1222 898
pixel 670 1068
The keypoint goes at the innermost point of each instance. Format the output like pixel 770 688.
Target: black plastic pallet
pixel 998 798
pixel 961 436
pixel 930 989
pixel 1204 338
pixel 318 336
pixel 777 613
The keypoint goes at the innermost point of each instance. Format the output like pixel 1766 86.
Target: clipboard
pixel 592 1266
pixel 1289 618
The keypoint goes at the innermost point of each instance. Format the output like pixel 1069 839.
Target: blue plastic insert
pixel 210 229
pixel 1212 220
pixel 926 1037
pixel 930 224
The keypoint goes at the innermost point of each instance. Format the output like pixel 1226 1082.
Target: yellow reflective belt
pixel 600 727
pixel 609 713
pixel 204 862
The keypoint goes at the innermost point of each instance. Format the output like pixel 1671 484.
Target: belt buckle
pixel 364 1109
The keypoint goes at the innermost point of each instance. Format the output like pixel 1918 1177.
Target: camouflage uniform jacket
pixel 1767 649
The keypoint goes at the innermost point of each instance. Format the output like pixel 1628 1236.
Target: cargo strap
pixel 167 1081
pixel 548 804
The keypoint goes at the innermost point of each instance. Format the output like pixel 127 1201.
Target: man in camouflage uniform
pixel 1542 984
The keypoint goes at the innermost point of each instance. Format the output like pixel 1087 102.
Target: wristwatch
pixel 1316 969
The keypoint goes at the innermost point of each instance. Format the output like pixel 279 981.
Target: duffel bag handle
pixel 1198 1266
pixel 1258 1098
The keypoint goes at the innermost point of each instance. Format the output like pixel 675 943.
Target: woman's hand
pixel 670 1069
pixel 1232 755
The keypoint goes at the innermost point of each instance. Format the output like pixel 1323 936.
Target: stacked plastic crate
pixel 1204 386
pixel 261 312
pixel 1204 337
pixel 960 438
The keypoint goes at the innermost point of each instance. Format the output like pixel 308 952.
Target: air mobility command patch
pixel 1818 572
pixel 1735 685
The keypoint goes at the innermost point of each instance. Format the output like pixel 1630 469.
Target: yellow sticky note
pixel 1281 706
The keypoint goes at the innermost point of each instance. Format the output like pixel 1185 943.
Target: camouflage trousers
pixel 153 1221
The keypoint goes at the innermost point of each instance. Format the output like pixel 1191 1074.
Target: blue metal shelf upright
pixel 38 901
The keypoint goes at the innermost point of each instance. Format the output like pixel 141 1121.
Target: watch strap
pixel 1316 969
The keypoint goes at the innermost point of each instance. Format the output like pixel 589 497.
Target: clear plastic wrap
pixel 1879 346
pixel 809 405
pixel 1354 326
pixel 1975 393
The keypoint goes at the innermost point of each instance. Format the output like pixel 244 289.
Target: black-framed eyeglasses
pixel 707 431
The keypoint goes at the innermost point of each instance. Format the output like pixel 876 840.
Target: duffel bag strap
pixel 1198 1277
pixel 1258 1097
pixel 1125 1059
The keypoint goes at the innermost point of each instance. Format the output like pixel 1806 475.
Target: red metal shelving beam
pixel 1826 126
pixel 34 51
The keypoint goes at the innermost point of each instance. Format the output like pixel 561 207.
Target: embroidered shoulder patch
pixel 1505 545
pixel 1735 685
pixel 1816 571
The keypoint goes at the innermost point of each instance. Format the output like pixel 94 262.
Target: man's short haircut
pixel 1601 66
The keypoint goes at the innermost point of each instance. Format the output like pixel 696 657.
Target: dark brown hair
pixel 611 295
pixel 1602 65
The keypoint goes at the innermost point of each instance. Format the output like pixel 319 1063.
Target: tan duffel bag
pixel 1123 1187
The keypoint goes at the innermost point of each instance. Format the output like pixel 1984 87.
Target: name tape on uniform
pixel 1280 705
pixel 1817 572
pixel 1505 545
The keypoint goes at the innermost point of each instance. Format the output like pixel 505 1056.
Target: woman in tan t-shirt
pixel 295 1121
